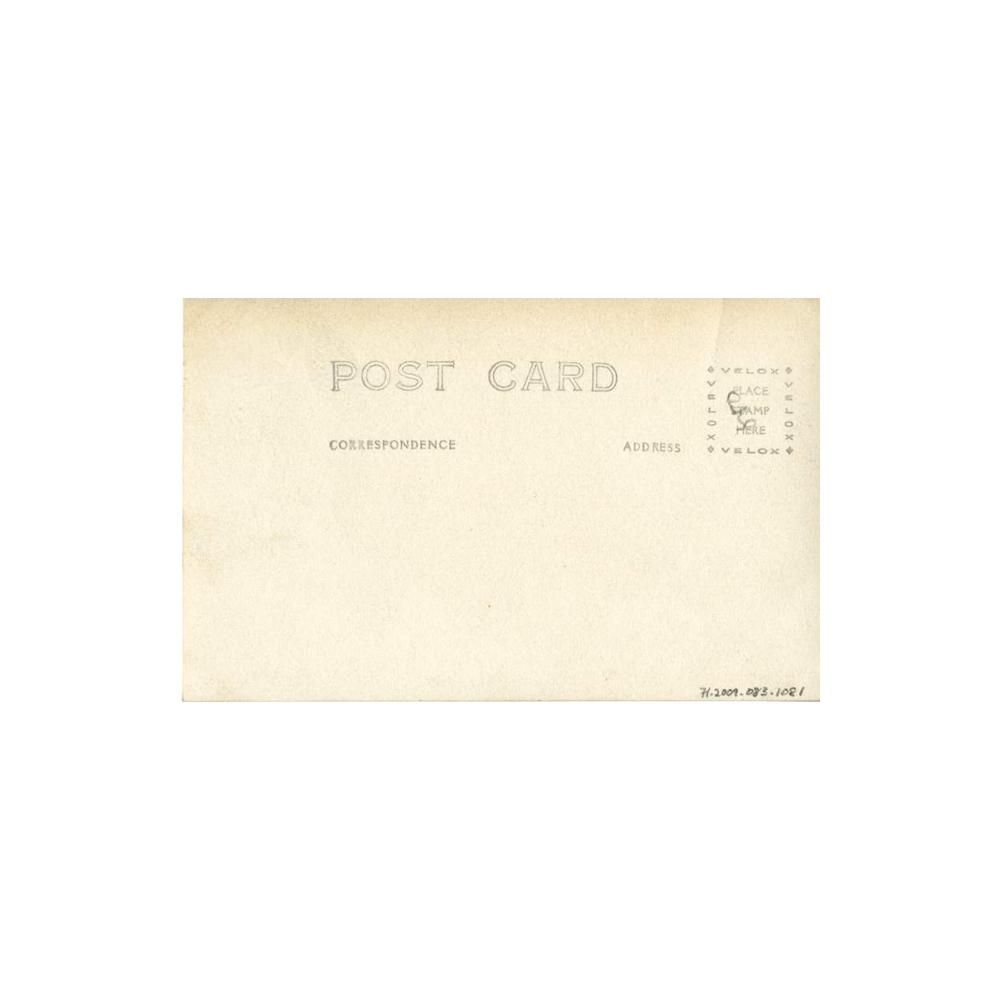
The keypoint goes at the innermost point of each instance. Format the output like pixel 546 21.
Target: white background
pixel 155 849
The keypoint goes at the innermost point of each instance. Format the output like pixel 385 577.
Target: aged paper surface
pixel 501 499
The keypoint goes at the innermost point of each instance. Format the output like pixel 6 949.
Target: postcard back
pixel 501 499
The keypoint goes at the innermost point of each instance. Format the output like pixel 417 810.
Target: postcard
pixel 506 499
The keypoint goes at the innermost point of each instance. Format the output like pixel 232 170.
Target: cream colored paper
pixel 654 539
